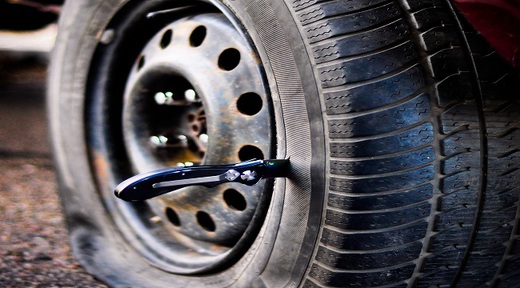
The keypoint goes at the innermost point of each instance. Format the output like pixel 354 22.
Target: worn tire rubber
pixel 414 158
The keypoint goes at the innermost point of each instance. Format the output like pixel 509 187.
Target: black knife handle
pixel 155 183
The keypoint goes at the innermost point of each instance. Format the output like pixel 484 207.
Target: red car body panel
pixel 499 22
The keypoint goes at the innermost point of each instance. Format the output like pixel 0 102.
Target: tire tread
pixel 447 221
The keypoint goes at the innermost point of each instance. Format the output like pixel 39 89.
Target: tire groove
pixel 483 160
pixel 349 58
pixel 379 157
pixel 371 251
pixel 375 176
pixel 388 192
pixel 432 215
pixel 367 271
pixel 374 231
pixel 400 102
pixel 394 209
pixel 341 36
pixel 360 56
pixel 387 76
pixel 341 11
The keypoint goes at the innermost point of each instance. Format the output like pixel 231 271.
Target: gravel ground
pixel 34 249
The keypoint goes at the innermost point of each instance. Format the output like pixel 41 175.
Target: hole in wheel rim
pixel 249 104
pixel 229 59
pixel 206 222
pixel 235 200
pixel 166 38
pixel 140 62
pixel 197 36
pixel 173 217
pixel 249 152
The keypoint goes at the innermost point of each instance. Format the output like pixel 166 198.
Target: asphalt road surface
pixel 34 249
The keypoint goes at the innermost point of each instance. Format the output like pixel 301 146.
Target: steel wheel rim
pixel 172 247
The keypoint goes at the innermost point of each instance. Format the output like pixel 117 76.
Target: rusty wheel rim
pixel 196 94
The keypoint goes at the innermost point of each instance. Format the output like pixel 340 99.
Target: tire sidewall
pixel 282 250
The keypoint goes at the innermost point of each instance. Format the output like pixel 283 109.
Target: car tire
pixel 399 121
